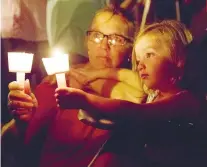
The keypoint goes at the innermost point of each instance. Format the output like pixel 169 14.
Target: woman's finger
pixel 15 86
pixel 13 104
pixel 23 111
pixel 19 95
pixel 27 88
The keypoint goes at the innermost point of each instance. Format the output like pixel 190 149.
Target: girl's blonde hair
pixel 175 34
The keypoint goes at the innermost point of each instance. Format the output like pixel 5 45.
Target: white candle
pixel 61 82
pixel 20 76
pixel 58 65
pixel 20 63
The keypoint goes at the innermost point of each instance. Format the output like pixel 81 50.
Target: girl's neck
pixel 167 93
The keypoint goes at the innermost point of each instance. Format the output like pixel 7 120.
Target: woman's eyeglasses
pixel 113 39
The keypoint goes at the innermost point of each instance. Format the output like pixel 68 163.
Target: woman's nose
pixel 104 43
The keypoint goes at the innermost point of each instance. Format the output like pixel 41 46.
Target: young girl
pixel 170 114
pixel 160 58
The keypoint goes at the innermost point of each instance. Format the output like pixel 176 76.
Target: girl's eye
pixel 137 62
pixel 148 55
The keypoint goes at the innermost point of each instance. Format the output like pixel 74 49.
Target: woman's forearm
pixel 117 90
pixel 122 75
pixel 14 129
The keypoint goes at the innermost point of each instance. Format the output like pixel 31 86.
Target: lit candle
pixel 61 81
pixel 20 63
pixel 57 65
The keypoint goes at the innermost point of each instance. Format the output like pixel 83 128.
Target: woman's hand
pixel 83 76
pixel 21 101
pixel 70 98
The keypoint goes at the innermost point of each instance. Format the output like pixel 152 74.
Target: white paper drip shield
pixel 58 64
pixel 20 62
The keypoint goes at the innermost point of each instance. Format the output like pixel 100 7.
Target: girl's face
pixel 153 60
pixel 102 55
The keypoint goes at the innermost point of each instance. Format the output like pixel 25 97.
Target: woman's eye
pixel 96 35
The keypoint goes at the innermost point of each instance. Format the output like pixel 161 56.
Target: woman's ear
pixel 86 44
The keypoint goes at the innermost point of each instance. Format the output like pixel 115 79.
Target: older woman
pixel 54 137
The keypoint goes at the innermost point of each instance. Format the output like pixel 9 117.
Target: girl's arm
pixel 182 105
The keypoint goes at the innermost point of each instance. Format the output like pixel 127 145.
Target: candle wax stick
pixel 20 78
pixel 61 82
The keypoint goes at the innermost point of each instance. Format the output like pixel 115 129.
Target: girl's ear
pixel 133 59
pixel 180 64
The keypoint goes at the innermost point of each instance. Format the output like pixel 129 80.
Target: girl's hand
pixel 70 98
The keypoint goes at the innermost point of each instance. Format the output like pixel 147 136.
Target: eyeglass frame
pixel 127 40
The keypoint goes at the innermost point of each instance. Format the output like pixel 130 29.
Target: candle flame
pixel 57 52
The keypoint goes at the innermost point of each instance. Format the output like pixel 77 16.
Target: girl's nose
pixel 141 66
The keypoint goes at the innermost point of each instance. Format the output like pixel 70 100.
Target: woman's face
pixel 153 59
pixel 103 54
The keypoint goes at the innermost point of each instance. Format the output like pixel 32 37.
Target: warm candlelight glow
pixel 58 64
pixel 57 52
